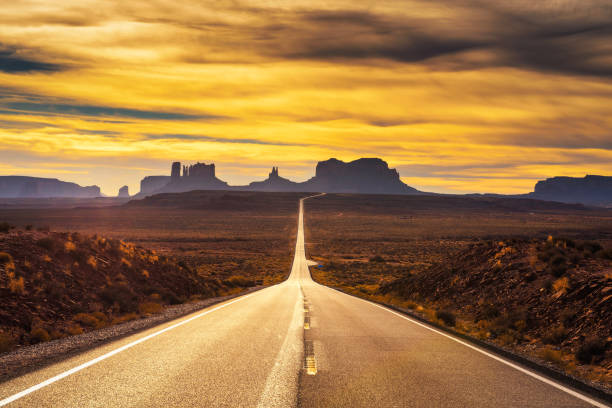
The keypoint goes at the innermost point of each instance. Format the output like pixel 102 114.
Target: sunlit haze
pixel 457 95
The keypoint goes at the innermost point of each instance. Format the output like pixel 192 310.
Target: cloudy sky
pixel 458 95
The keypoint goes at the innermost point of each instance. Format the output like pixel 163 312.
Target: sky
pixel 459 96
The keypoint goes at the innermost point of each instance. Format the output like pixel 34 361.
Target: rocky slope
pixel 57 284
pixel 554 295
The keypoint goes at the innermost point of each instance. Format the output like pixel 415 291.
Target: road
pixel 293 344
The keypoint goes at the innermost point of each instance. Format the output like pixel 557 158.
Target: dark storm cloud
pixel 539 38
pixel 98 111
pixel 12 62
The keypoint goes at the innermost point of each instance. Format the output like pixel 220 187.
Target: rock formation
pixel 124 192
pixel 372 176
pixel 36 187
pixel 274 182
pixel 594 190
pixel 199 176
pixel 368 175
pixel 151 184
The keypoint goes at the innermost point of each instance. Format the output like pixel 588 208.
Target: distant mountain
pixel 371 176
pixel 36 187
pixel 592 190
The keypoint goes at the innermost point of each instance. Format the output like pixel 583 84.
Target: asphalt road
pixel 294 344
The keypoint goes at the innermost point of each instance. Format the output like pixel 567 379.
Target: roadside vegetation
pixel 141 258
pixel 542 289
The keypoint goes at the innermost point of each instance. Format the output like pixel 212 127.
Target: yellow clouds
pixel 456 97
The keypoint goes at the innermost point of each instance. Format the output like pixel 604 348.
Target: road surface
pixel 293 344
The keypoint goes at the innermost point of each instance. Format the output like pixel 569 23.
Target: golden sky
pixel 458 95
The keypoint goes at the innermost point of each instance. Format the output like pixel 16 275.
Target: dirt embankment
pixel 551 298
pixel 53 285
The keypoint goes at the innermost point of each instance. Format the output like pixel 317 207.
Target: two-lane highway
pixel 293 344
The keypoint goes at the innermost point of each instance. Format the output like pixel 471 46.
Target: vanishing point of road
pixel 297 343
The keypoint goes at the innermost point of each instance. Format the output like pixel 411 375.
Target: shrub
pixel 39 335
pixel 17 285
pixel 605 254
pixel 6 342
pixel 48 243
pixel 88 320
pixel 447 317
pixel 28 227
pixel 149 308
pixel 5 227
pixel 555 336
pixel 591 350
pixel 5 258
pixel 561 284
pixel 121 295
pixel 377 258
pixel 239 281
pixel 489 311
pixel 552 356
pixel 567 315
pixel 74 330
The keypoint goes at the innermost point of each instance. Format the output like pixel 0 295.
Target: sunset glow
pixel 458 95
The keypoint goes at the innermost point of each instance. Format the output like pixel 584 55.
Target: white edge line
pixel 493 356
pixel 96 360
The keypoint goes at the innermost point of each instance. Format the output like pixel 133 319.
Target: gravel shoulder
pixel 29 358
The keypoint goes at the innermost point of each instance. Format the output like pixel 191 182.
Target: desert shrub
pixel 17 285
pixel 556 335
pixel 589 248
pixel 69 246
pixel 567 316
pixel 121 295
pixel 377 258
pixel 239 281
pixel 5 227
pixel 5 258
pixel 591 350
pixel 558 260
pixel 604 254
pixel 552 356
pixel 6 342
pixel 561 284
pixel 447 317
pixel 88 320
pixel 74 330
pixel 80 255
pixel 489 311
pixel 48 243
pixel 149 308
pixel 125 318
pixel 39 335
pixel 28 227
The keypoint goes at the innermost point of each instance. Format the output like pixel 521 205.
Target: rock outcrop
pixel 368 175
pixel 36 187
pixel 124 192
pixel 151 184
pixel 274 182
pixel 372 176
pixel 593 190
